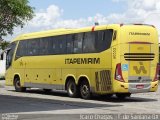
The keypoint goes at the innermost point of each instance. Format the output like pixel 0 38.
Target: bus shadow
pixel 129 99
pixel 14 104
pixel 54 93
pixel 103 98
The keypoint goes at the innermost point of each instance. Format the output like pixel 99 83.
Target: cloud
pixel 137 11
pixel 46 17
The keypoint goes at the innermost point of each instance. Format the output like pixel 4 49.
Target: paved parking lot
pixel 35 104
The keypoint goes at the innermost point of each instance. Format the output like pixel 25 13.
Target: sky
pixel 53 14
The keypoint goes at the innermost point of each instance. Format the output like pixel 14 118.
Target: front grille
pixel 139 56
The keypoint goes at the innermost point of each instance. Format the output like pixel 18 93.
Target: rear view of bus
pixel 136 70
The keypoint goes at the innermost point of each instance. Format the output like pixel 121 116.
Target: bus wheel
pixel 85 90
pixel 123 95
pixel 72 89
pixel 17 85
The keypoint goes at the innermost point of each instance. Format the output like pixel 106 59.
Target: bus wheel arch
pixel 17 84
pixel 71 87
pixel 84 87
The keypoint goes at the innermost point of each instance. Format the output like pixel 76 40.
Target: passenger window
pixel 44 46
pixel 69 44
pixel 89 42
pixel 103 40
pixel 33 47
pixel 50 46
pixel 61 44
pixel 78 39
pixel 22 49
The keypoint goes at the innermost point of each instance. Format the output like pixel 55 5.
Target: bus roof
pixel 63 31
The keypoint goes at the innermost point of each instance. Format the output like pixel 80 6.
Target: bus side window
pixel 70 42
pixel 50 45
pixel 61 44
pixel 46 46
pixel 22 49
pixel 78 39
pixel 33 47
pixel 89 42
pixel 42 46
pixel 104 39
pixel 55 45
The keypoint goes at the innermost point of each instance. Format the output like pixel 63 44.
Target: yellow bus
pixel 106 59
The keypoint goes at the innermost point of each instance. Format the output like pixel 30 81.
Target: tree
pixel 14 13
pixel 4 44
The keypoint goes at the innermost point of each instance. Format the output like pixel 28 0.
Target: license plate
pixel 139 86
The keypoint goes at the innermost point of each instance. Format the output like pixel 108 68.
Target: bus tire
pixel 17 85
pixel 122 95
pixel 72 89
pixel 85 90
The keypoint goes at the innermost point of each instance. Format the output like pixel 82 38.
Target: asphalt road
pixel 38 105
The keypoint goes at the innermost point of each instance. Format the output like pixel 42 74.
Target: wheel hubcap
pixel 85 90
